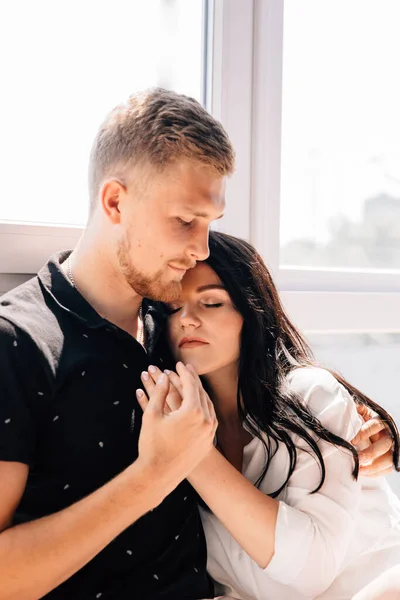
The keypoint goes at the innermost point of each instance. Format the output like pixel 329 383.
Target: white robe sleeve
pixel 313 531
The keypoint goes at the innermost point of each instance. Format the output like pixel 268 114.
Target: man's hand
pixel 377 459
pixel 174 442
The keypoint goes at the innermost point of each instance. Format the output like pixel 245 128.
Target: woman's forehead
pixel 202 274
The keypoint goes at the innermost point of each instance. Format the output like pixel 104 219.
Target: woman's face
pixel 204 327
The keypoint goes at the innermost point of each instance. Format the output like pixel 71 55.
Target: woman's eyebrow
pixel 210 286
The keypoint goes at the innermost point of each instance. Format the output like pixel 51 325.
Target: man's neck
pixel 99 282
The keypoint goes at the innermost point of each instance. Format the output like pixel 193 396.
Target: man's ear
pixel 111 194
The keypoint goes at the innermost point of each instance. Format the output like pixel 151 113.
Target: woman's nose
pixel 189 318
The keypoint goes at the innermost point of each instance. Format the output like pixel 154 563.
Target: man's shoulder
pixel 22 300
pixel 26 318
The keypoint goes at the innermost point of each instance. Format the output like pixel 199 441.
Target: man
pixel 94 503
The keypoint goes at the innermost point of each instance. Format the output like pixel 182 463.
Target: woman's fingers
pixel 142 399
pixel 157 396
pixel 204 399
pixel 175 380
pixel 207 405
pixel 190 388
pixel 148 382
pixel 174 398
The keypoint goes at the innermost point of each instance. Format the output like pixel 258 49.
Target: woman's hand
pixel 175 394
pixel 175 442
pixel 377 459
pixel 174 397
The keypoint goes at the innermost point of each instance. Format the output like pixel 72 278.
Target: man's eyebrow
pixel 202 214
pixel 210 286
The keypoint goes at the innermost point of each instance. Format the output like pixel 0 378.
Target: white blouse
pixel 329 544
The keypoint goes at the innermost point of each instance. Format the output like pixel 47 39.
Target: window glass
pixel 371 362
pixel 64 66
pixel 340 178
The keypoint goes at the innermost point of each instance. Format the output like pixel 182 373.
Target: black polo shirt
pixel 68 410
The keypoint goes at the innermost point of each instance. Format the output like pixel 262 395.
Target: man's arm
pixel 38 556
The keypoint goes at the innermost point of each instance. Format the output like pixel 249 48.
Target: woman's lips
pixel 192 344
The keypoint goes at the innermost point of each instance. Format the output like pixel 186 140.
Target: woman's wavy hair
pixel 271 347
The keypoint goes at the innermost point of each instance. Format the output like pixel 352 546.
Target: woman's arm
pixel 249 515
pixel 302 541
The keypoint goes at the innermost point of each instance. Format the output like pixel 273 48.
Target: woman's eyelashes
pixel 212 304
pixel 171 310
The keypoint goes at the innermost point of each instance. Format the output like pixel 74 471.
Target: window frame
pixel 318 300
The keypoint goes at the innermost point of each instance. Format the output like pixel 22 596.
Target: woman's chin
pixel 189 359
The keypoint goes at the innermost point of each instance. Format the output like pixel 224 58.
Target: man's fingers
pixel 370 428
pixel 379 467
pixel 375 451
pixel 365 412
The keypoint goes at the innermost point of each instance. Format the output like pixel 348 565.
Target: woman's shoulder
pixel 327 399
pixel 304 380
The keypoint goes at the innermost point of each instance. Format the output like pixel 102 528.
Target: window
pixel 308 94
pixel 340 185
pixel 371 362
pixel 67 64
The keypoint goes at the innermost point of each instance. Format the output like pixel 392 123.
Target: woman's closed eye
pixel 171 310
pixel 213 304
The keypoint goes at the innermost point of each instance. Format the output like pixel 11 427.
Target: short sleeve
pixel 22 386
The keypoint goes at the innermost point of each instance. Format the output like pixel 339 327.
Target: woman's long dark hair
pixel 271 347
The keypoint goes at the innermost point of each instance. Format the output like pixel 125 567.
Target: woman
pixel 289 515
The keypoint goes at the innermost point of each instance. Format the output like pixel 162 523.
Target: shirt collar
pixel 68 298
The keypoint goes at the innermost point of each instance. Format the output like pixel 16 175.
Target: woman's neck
pixel 223 386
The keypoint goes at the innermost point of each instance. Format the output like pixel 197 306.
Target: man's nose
pixel 198 248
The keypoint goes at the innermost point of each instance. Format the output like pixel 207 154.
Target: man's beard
pixel 148 287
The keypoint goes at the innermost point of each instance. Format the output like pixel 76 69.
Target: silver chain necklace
pixel 140 332
pixel 69 272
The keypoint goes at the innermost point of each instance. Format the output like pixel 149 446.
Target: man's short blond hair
pixel 157 127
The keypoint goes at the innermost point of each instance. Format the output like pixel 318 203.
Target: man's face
pixel 164 226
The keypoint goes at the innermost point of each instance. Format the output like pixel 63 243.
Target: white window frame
pixel 331 300
pixel 243 53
